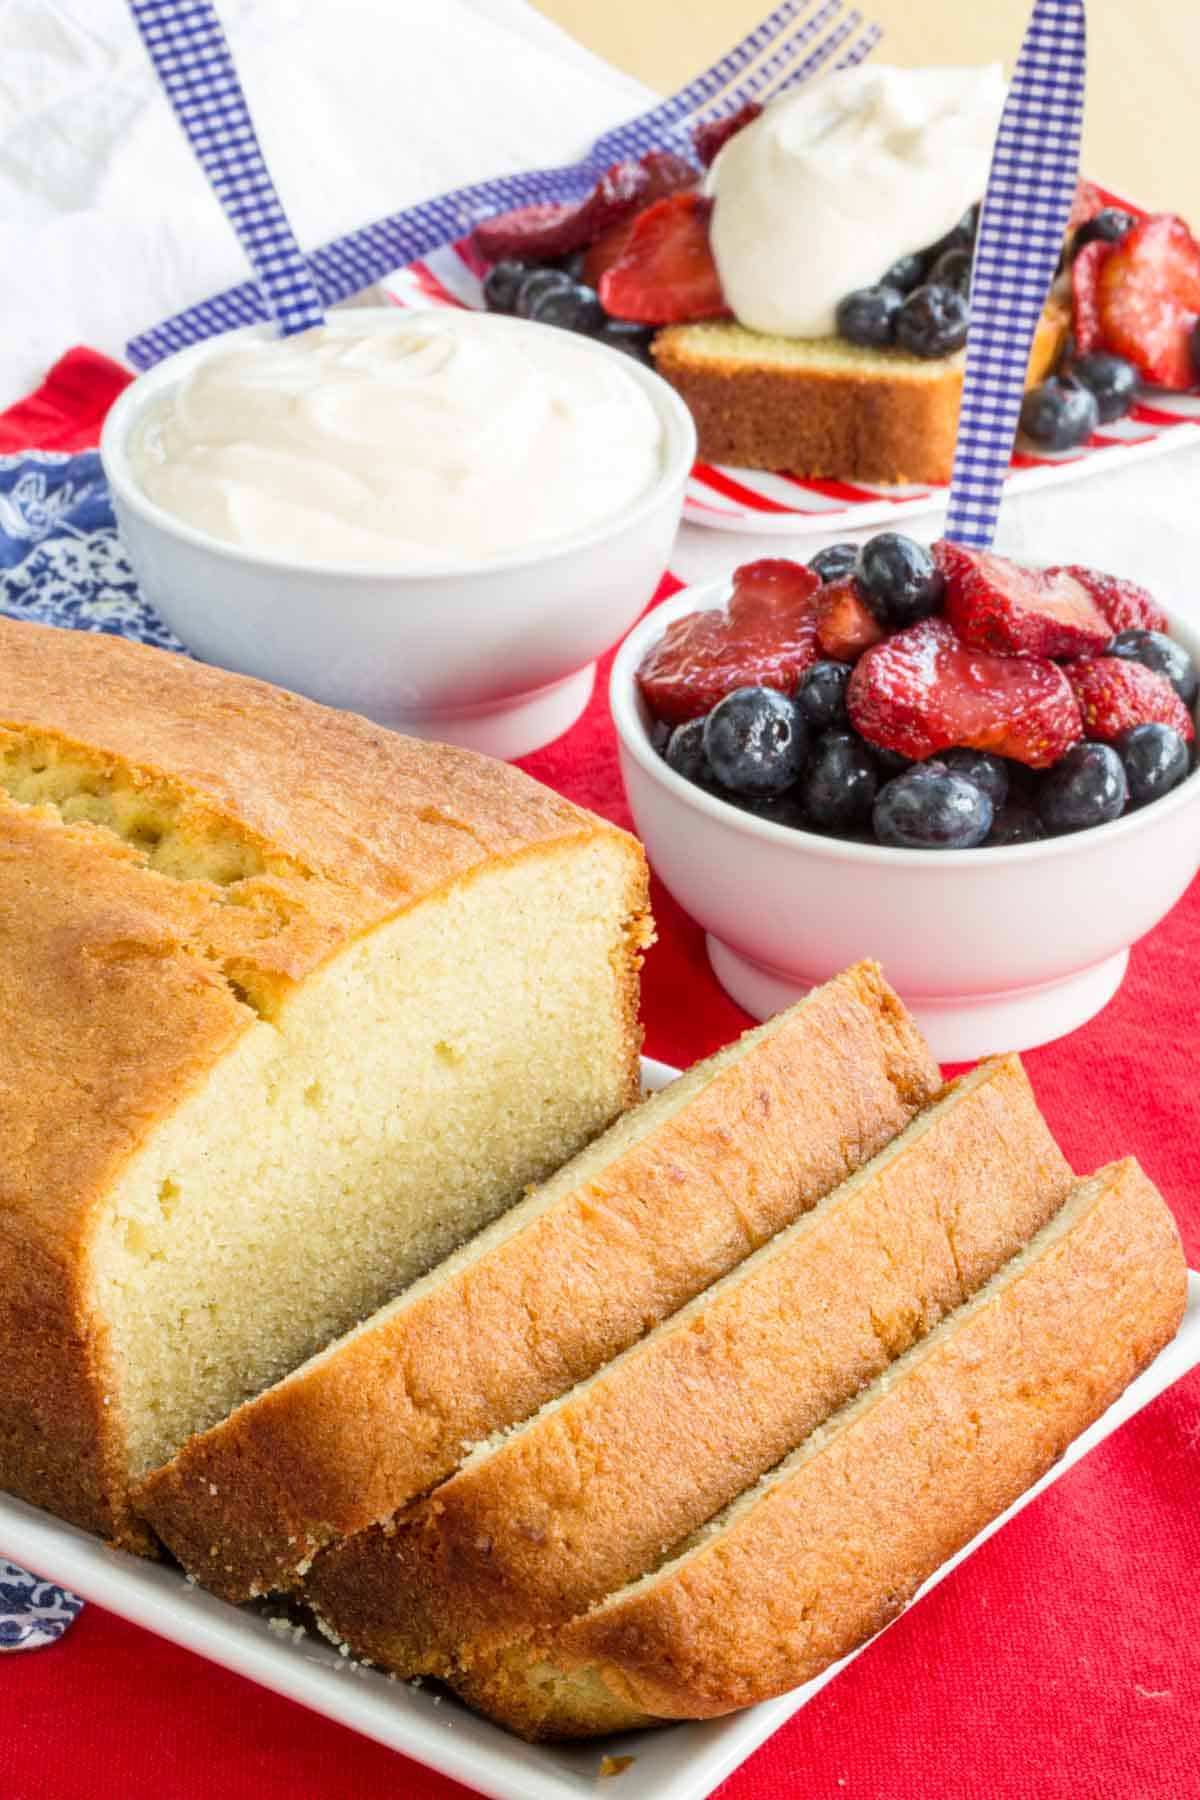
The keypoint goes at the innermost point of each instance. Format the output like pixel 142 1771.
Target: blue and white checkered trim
pixel 1034 171
pixel 353 262
pixel 188 49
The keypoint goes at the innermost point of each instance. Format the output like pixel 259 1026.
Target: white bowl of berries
pixel 981 773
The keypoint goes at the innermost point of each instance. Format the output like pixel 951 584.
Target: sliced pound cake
pixel 540 1522
pixel 833 1542
pixel 289 1006
pixel 673 1196
pixel 823 407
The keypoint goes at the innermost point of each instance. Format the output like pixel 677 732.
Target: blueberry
pixel 837 789
pixel 906 273
pixel 536 283
pixel 1155 759
pixel 899 579
pixel 1162 654
pixel 890 761
pixel 501 284
pixel 868 315
pixel 755 741
pixel 1110 225
pixel 987 772
pixel 1057 414
pixel 1085 787
pixel 835 562
pixel 659 733
pixel 685 754
pixel 574 308
pixel 1112 380
pixel 929 807
pixel 624 334
pixel 932 321
pixel 777 809
pixel 821 695
pixel 959 237
pixel 571 264
pixel 952 269
pixel 1016 824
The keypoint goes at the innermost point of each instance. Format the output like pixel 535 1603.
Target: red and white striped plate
pixel 732 499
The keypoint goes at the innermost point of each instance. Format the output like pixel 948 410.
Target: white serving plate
pixel 681 1762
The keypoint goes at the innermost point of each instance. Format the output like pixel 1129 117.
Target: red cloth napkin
pixel 1060 1662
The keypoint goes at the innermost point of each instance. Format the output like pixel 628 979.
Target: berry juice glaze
pixel 430 440
pixel 841 177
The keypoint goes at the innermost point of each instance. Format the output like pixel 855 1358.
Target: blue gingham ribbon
pixel 188 49
pixel 1035 167
pixel 829 36
pixel 33 1613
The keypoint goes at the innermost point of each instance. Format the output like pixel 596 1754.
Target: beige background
pixel 1143 82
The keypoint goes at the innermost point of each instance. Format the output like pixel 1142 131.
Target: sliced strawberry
pixel 1114 695
pixel 923 690
pixel 536 233
pixel 666 174
pixel 766 636
pixel 1085 295
pixel 999 605
pixel 666 273
pixel 845 625
pixel 1149 299
pixel 1125 605
pixel 712 135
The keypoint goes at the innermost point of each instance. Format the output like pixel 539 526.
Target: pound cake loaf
pixel 830 1545
pixel 671 1197
pixel 289 1006
pixel 824 407
pixel 539 1522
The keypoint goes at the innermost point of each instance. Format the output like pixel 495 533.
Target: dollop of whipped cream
pixel 836 180
pixel 439 437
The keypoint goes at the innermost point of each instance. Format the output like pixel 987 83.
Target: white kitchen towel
pixel 106 222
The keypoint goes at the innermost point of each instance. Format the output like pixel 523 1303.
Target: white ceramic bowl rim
pixel 623 700
pixel 679 453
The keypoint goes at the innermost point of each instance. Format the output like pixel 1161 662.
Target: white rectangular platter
pixel 682 1762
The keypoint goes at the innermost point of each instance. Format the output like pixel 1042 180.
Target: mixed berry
pixel 937 699
pixel 921 303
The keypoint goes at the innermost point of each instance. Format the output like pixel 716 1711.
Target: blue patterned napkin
pixel 61 562
pixel 32 1612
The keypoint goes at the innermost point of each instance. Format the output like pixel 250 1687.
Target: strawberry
pixel 666 174
pixel 712 135
pixel 995 604
pixel 766 636
pixel 1114 695
pixel 537 233
pixel 1085 295
pixel 666 272
pixel 1125 605
pixel 845 625
pixel 923 690
pixel 1149 298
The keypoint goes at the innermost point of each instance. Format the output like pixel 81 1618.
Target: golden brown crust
pixel 585 1496
pixel 830 1552
pixel 835 422
pixel 344 1443
pixel 120 986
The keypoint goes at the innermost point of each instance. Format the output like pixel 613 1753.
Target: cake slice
pixel 538 1523
pixel 289 1006
pixel 829 1546
pixel 823 407
pixel 671 1197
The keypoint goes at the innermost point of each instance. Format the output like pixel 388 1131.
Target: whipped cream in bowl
pixel 440 437
pixel 839 178
pixel 439 519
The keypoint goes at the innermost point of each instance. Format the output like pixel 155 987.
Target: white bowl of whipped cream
pixel 439 519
